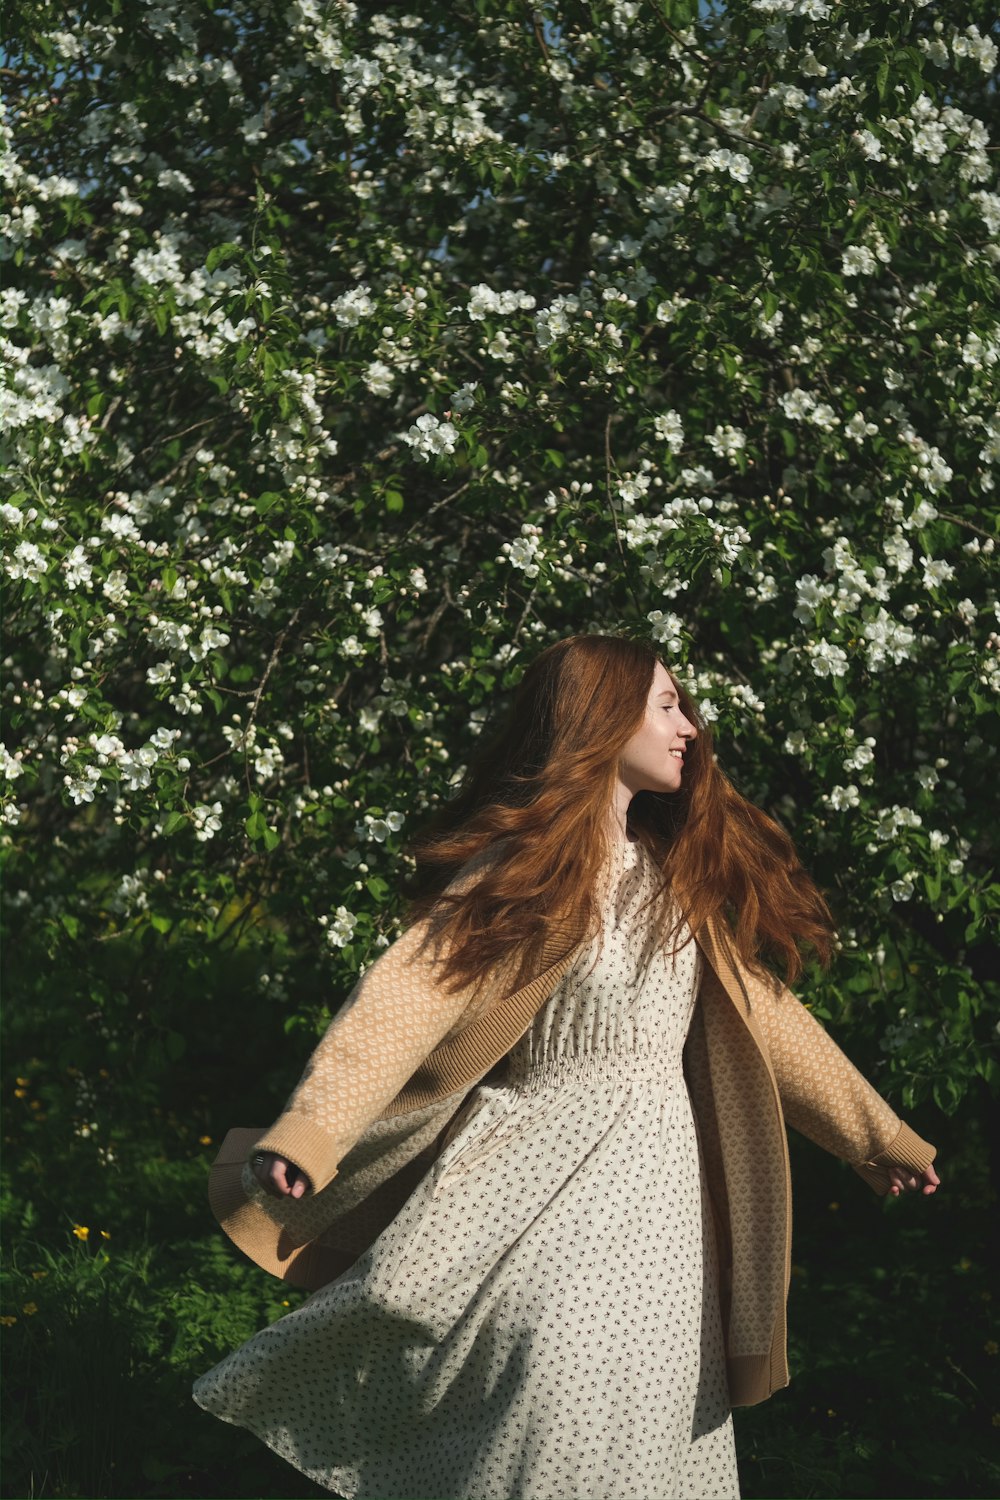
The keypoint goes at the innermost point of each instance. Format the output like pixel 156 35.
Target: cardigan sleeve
pixel 392 1020
pixel 823 1094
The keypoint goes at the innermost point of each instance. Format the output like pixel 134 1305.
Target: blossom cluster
pixel 320 429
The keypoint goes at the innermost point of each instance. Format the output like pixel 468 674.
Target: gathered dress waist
pixel 613 1066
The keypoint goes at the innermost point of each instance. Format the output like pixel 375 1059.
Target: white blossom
pixel 858 260
pixel 429 436
pixel 464 398
pixel 842 797
pixel 828 659
pixel 377 830
pixel 888 641
pixel 10 765
pixel 522 552
pixel 207 820
pixel 378 378
pixel 350 307
pixel 339 930
pixel 666 628
pixel 670 430
pixel 936 572
pixel 484 300
pixel 28 562
pixel 727 441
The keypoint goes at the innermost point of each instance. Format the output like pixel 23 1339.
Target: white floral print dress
pixel 541 1320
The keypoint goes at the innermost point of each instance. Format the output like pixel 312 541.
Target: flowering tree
pixel 351 357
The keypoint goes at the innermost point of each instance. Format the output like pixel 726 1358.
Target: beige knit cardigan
pixel 384 1091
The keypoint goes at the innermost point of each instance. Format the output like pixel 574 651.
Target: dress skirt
pixel 541 1320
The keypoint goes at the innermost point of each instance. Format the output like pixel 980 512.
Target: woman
pixel 536 1170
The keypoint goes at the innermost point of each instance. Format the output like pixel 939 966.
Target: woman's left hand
pixel 905 1181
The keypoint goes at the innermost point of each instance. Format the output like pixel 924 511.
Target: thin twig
pixel 524 614
pixel 958 521
pixel 445 500
pixel 611 507
pixel 272 659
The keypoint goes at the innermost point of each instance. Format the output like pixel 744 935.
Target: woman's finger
pixel 279 1176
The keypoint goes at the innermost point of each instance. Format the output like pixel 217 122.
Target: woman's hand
pixel 905 1181
pixel 278 1176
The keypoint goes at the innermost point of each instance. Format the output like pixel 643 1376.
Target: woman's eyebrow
pixel 667 693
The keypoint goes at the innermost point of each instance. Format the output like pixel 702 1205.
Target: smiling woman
pixel 536 1171
pixel 653 759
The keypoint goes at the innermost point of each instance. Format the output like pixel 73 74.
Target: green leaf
pixel 393 500
pixel 256 825
pixel 272 838
pixel 173 822
pixel 219 253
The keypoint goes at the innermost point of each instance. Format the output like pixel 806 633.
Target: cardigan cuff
pixel 906 1149
pixel 299 1139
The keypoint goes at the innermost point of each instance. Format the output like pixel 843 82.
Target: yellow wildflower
pixel 81 1231
pixel 39 1275
pixel 22 1083
pixel 833 1207
pixel 20 1093
pixel 204 1140
pixel 105 1235
pixel 991 1346
pixel 29 1309
pixel 8 1321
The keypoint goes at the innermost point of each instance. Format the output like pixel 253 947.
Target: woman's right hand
pixel 278 1176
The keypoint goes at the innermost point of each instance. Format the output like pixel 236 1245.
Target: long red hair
pixel 534 814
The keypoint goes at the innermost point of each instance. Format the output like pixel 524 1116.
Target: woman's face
pixel 653 759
